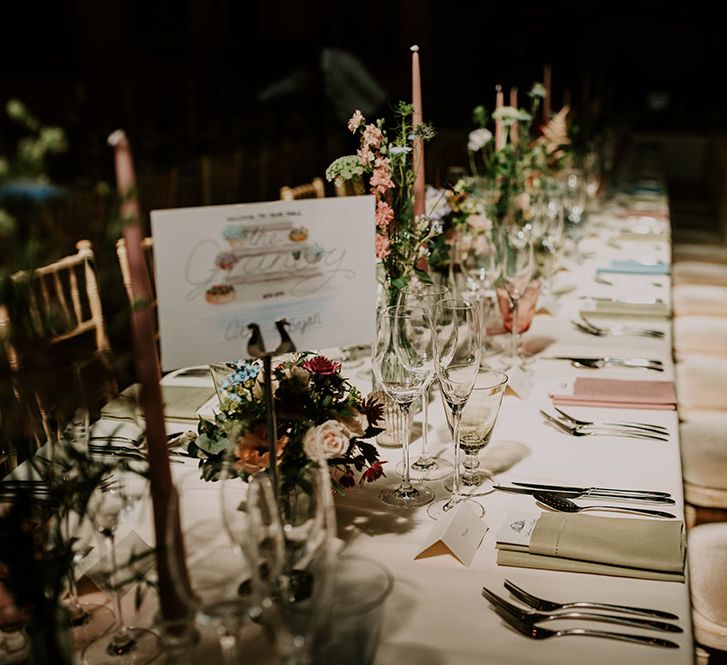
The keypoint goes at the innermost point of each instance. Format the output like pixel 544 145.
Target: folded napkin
pixel 634 309
pixel 646 549
pixel 620 393
pixel 180 403
pixel 632 267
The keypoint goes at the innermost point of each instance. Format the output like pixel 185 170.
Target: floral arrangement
pixel 385 158
pixel 320 416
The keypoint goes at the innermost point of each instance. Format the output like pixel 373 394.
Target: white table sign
pixel 220 268
pixel 458 533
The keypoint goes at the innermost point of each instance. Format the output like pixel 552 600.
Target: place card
pixel 221 268
pixel 516 529
pixel 459 533
pixel 519 382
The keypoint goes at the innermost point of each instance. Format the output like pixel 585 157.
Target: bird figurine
pixel 256 343
pixel 286 344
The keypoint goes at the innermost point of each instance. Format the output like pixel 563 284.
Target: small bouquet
pixel 320 416
pixel 385 158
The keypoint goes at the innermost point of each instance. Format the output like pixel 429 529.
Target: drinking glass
pixel 574 196
pixel 477 423
pixel 404 363
pixel 127 645
pixel 426 296
pixel 295 554
pixel 552 239
pixel 457 323
pixel 517 271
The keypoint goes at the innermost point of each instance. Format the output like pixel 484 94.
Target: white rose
pixel 356 424
pixel 331 439
pixel 478 139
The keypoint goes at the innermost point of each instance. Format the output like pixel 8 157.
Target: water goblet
pixel 457 325
pixel 477 423
pixel 404 363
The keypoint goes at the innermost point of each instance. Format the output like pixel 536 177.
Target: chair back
pixel 312 190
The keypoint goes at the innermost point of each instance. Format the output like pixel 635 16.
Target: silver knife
pixel 635 498
pixel 576 488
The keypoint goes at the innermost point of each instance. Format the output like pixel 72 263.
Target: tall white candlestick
pixel 515 129
pixel 418 146
pixel 499 126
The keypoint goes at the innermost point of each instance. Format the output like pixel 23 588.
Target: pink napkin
pixel 635 212
pixel 618 393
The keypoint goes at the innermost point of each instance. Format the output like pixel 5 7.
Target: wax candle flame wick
pixel 414 49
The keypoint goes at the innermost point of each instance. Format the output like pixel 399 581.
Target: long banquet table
pixel 436 614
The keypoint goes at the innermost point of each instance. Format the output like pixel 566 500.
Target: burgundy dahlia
pixel 373 473
pixel 321 365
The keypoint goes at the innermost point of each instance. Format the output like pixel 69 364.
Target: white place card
pixel 459 533
pixel 519 382
pixel 221 268
pixel 516 529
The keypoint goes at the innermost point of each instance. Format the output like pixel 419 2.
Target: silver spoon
pixel 564 505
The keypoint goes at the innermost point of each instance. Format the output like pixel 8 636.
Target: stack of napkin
pixel 641 548
pixel 631 267
pixel 620 394
pixel 180 403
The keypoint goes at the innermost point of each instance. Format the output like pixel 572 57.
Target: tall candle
pixel 499 126
pixel 147 370
pixel 418 146
pixel 548 85
pixel 515 129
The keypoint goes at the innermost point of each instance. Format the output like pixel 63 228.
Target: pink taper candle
pixel 548 85
pixel 147 369
pixel 499 126
pixel 514 129
pixel 418 146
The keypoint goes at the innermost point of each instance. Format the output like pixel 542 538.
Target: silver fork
pixel 531 617
pixel 657 429
pixel 622 330
pixel 537 633
pixel 545 605
pixel 588 430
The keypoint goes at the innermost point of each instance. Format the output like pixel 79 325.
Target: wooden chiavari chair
pixel 313 190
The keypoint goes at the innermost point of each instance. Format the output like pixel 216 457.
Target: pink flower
pixel 382 246
pixel 356 121
pixel 321 365
pixel 365 156
pixel 479 222
pixel 384 214
pixel 381 180
pixel 372 136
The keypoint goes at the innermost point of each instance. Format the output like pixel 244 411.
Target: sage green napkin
pixel 647 549
pixel 180 403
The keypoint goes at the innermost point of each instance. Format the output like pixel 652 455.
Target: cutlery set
pixel 590 328
pixel 525 620
pixel 570 426
pixel 611 361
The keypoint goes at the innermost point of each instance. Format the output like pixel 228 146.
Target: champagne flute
pixel 127 645
pixel 426 296
pixel 457 323
pixel 404 363
pixel 517 271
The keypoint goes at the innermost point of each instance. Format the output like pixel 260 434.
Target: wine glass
pixel 404 363
pixel 426 296
pixel 477 423
pixel 457 323
pixel 293 539
pixel 517 271
pixel 482 268
pixel 552 239
pixel 126 645
pixel 214 585
pixel 575 196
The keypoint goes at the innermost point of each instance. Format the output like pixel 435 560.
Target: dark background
pixel 184 77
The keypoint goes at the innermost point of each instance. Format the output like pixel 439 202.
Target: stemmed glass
pixel 426 296
pixel 293 539
pixel 457 323
pixel 482 268
pixel 127 645
pixel 552 238
pixel 575 197
pixel 477 423
pixel 404 363
pixel 88 620
pixel 517 271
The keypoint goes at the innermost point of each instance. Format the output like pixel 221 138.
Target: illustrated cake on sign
pixel 260 253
